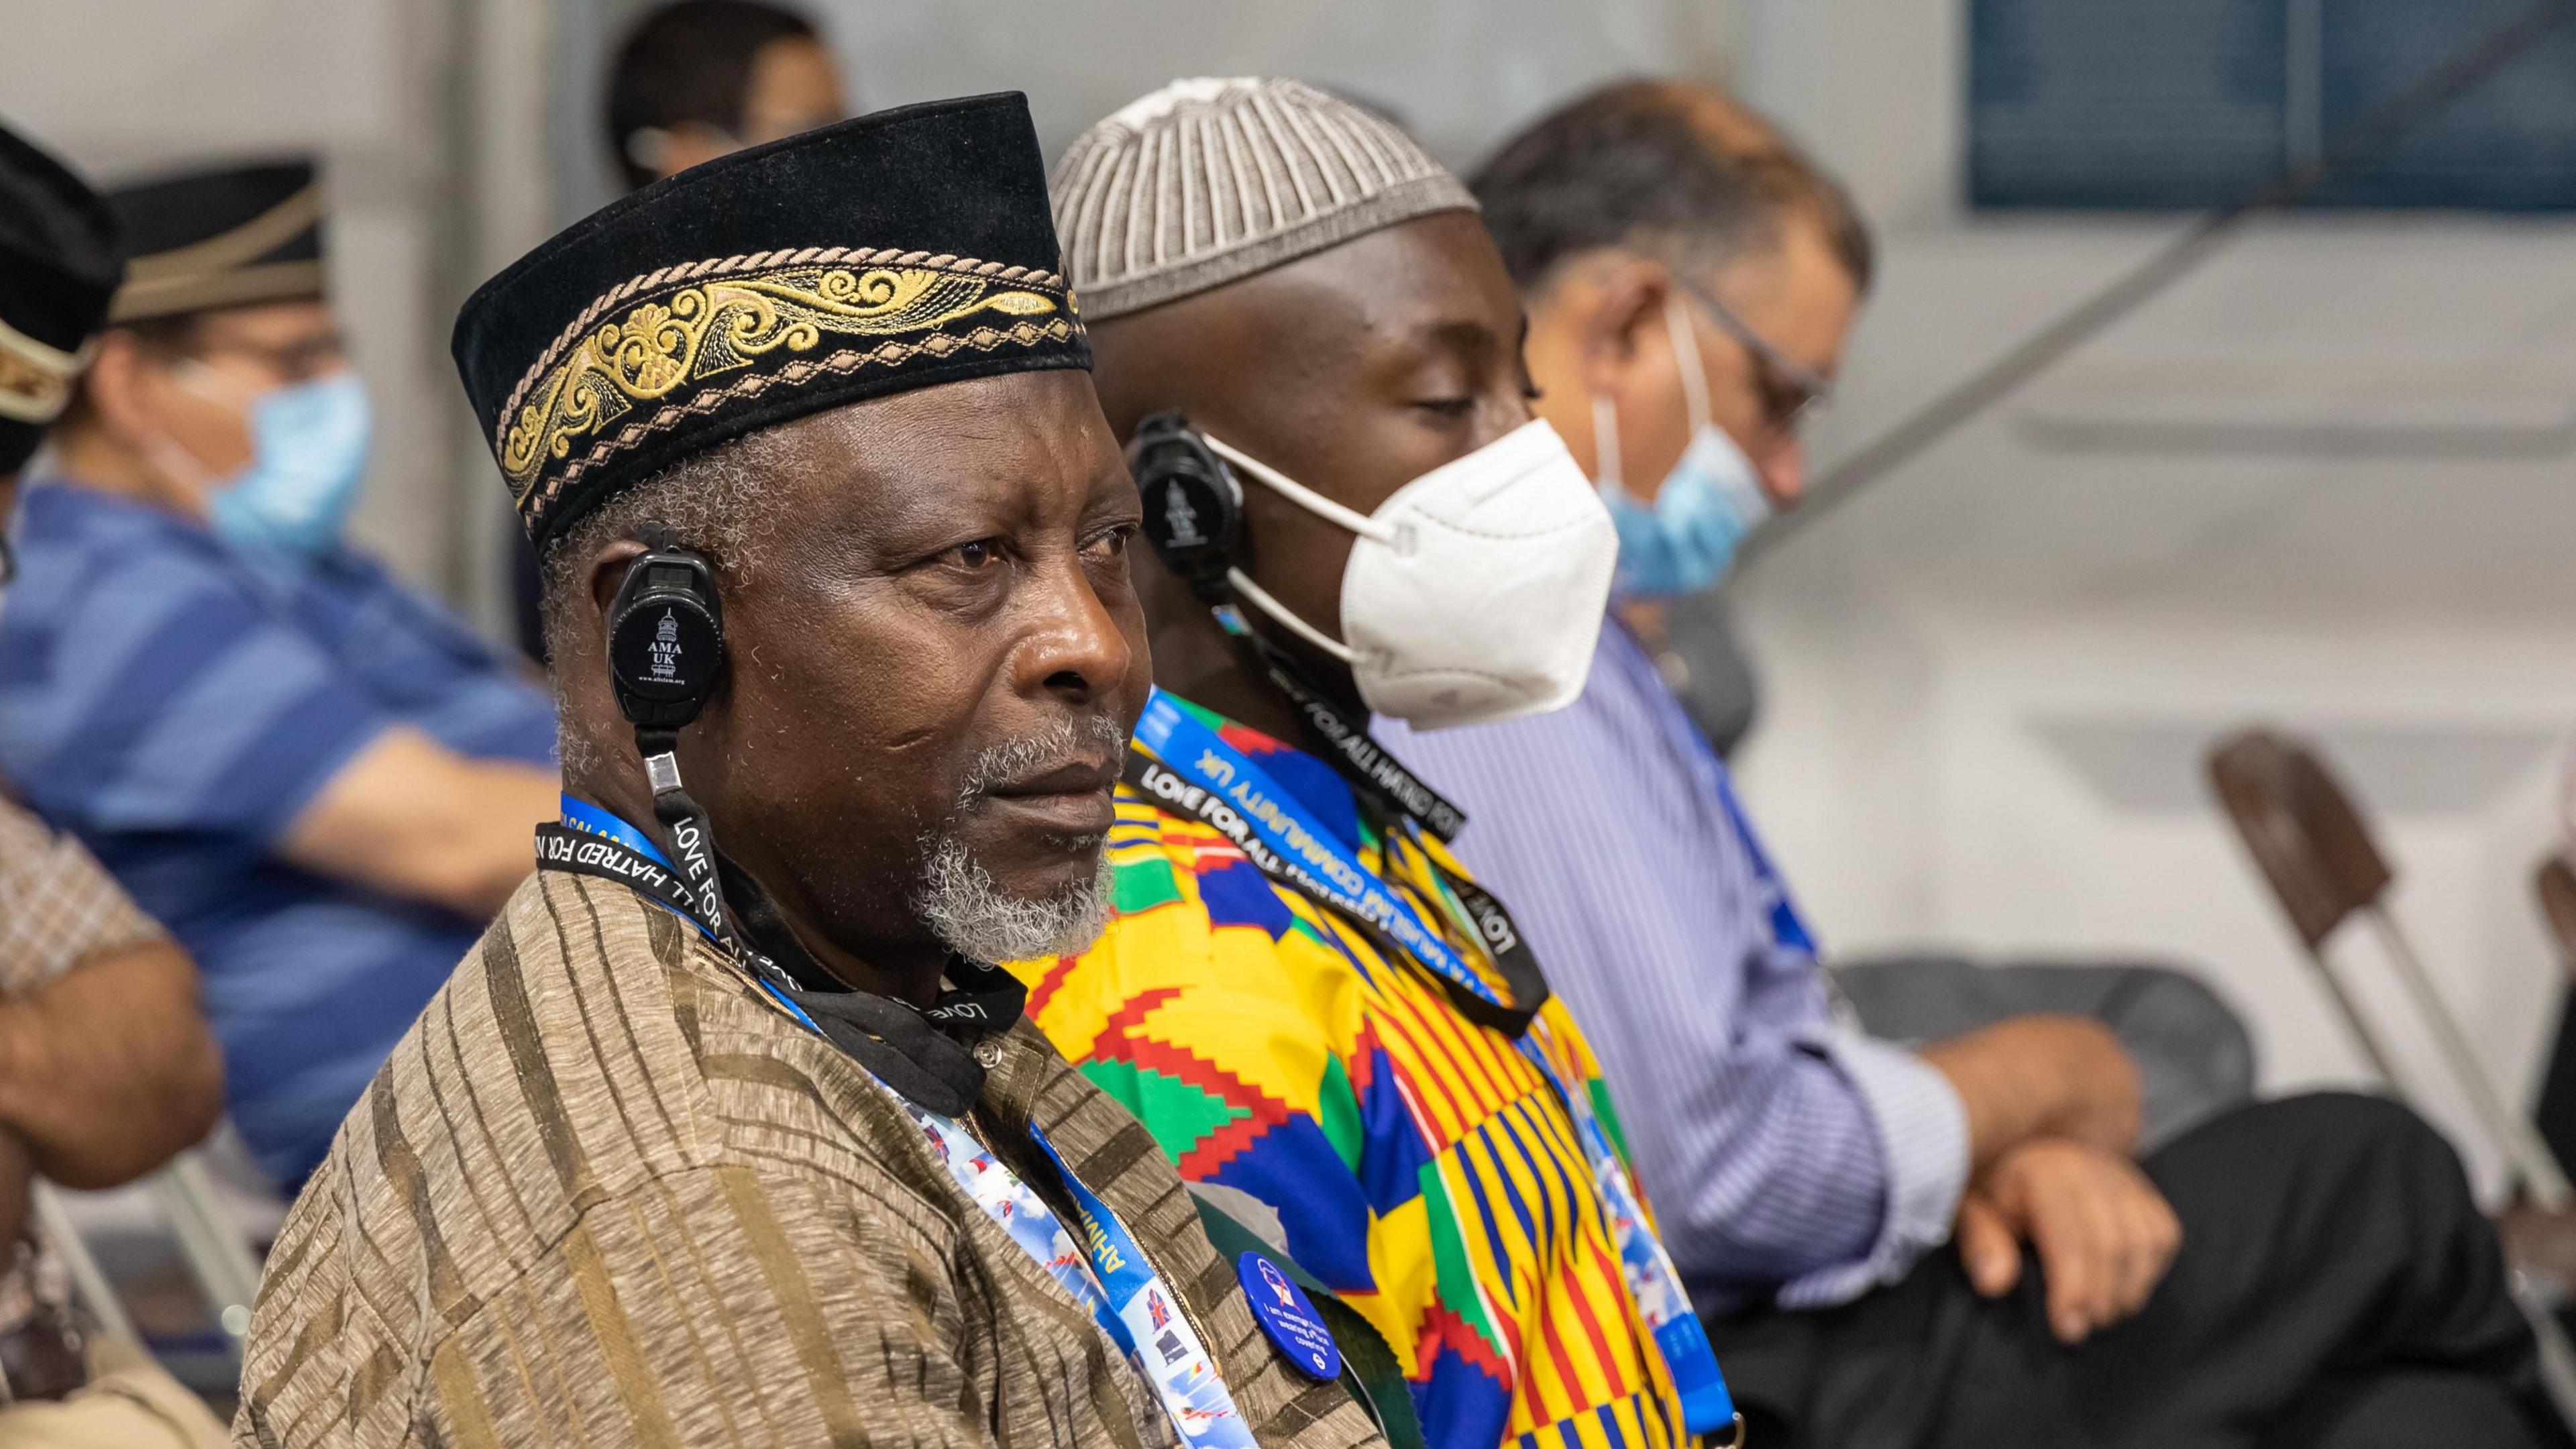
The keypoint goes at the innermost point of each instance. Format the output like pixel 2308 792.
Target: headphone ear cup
pixel 666 651
pixel 1192 503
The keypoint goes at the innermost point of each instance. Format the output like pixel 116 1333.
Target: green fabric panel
pixel 1337 1111
pixel 1199 712
pixel 1178 1113
pixel 1300 926
pixel 1608 1112
pixel 1455 1274
pixel 1141 885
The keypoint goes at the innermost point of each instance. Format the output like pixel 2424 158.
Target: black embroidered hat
pixel 229 236
pixel 59 262
pixel 894 251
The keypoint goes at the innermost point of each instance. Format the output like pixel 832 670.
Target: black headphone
pixel 1193 503
pixel 666 650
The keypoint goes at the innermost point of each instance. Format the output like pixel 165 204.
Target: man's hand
pixel 2041 1076
pixel 2105 1235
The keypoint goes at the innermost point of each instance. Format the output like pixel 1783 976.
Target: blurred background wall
pixel 2325 481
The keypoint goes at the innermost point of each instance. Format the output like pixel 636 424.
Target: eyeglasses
pixel 1791 393
pixel 301 360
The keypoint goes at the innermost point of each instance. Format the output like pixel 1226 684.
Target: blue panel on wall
pixel 2191 103
pixel 2511 143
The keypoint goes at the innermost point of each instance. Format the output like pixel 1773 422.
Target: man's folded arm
pixel 269 742
pixel 107 1070
pixel 409 817
pixel 1812 1163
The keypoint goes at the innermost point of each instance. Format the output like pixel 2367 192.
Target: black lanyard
pixel 1380 778
pixel 579 852
pixel 923 1053
pixel 1512 956
pixel 1346 742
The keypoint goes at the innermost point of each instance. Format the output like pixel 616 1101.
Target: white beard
pixel 960 902
pixel 957 897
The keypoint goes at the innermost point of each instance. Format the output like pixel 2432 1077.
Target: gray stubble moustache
pixel 958 898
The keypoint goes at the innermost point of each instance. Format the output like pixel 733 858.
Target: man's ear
pixel 607 573
pixel 1626 309
pixel 114 384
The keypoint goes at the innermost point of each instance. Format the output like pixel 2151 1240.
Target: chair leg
pixel 2513 1132
pixel 89 1281
pixel 2557 1354
pixel 2358 1027
pixel 211 1241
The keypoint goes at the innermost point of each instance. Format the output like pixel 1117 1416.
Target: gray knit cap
pixel 1208 181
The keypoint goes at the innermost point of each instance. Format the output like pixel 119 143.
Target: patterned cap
pixel 228 236
pixel 59 264
pixel 1206 182
pixel 894 251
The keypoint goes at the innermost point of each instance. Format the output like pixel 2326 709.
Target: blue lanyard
pixel 1100 1266
pixel 583 816
pixel 1301 847
pixel 1139 1312
pixel 1159 1338
pixel 1298 847
pixel 1787 926
pixel 590 819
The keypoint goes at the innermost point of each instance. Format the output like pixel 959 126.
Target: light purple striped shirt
pixel 1786 1155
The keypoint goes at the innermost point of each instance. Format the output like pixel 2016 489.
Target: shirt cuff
pixel 1923 1138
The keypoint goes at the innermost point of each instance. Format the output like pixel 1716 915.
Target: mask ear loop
pixel 182 468
pixel 1686 358
pixel 1605 445
pixel 1303 496
pixel 1752 503
pixel 1317 504
pixel 1260 599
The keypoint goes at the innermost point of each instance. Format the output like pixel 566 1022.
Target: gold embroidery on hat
pixel 722 325
pixel 35 379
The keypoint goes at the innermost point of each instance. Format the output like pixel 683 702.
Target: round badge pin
pixel 1289 1317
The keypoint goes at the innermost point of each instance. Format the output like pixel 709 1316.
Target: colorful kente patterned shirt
pixel 1419 1164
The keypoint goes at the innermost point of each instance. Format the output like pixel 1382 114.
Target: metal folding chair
pixel 211 1239
pixel 2545 1243
pixel 89 1281
pixel 2555 886
pixel 2312 846
pixel 212 1242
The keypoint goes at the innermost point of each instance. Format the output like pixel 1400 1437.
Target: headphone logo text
pixel 1182 519
pixel 664 654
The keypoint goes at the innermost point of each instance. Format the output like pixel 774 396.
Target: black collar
pixel 927 1055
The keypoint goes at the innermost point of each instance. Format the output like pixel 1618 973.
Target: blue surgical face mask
pixel 1686 539
pixel 309 452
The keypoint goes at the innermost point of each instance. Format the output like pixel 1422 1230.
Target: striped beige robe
pixel 604 1195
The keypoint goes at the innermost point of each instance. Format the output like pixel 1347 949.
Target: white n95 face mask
pixel 1475 592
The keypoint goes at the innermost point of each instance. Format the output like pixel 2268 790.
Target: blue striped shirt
pixel 176 704
pixel 1787 1156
